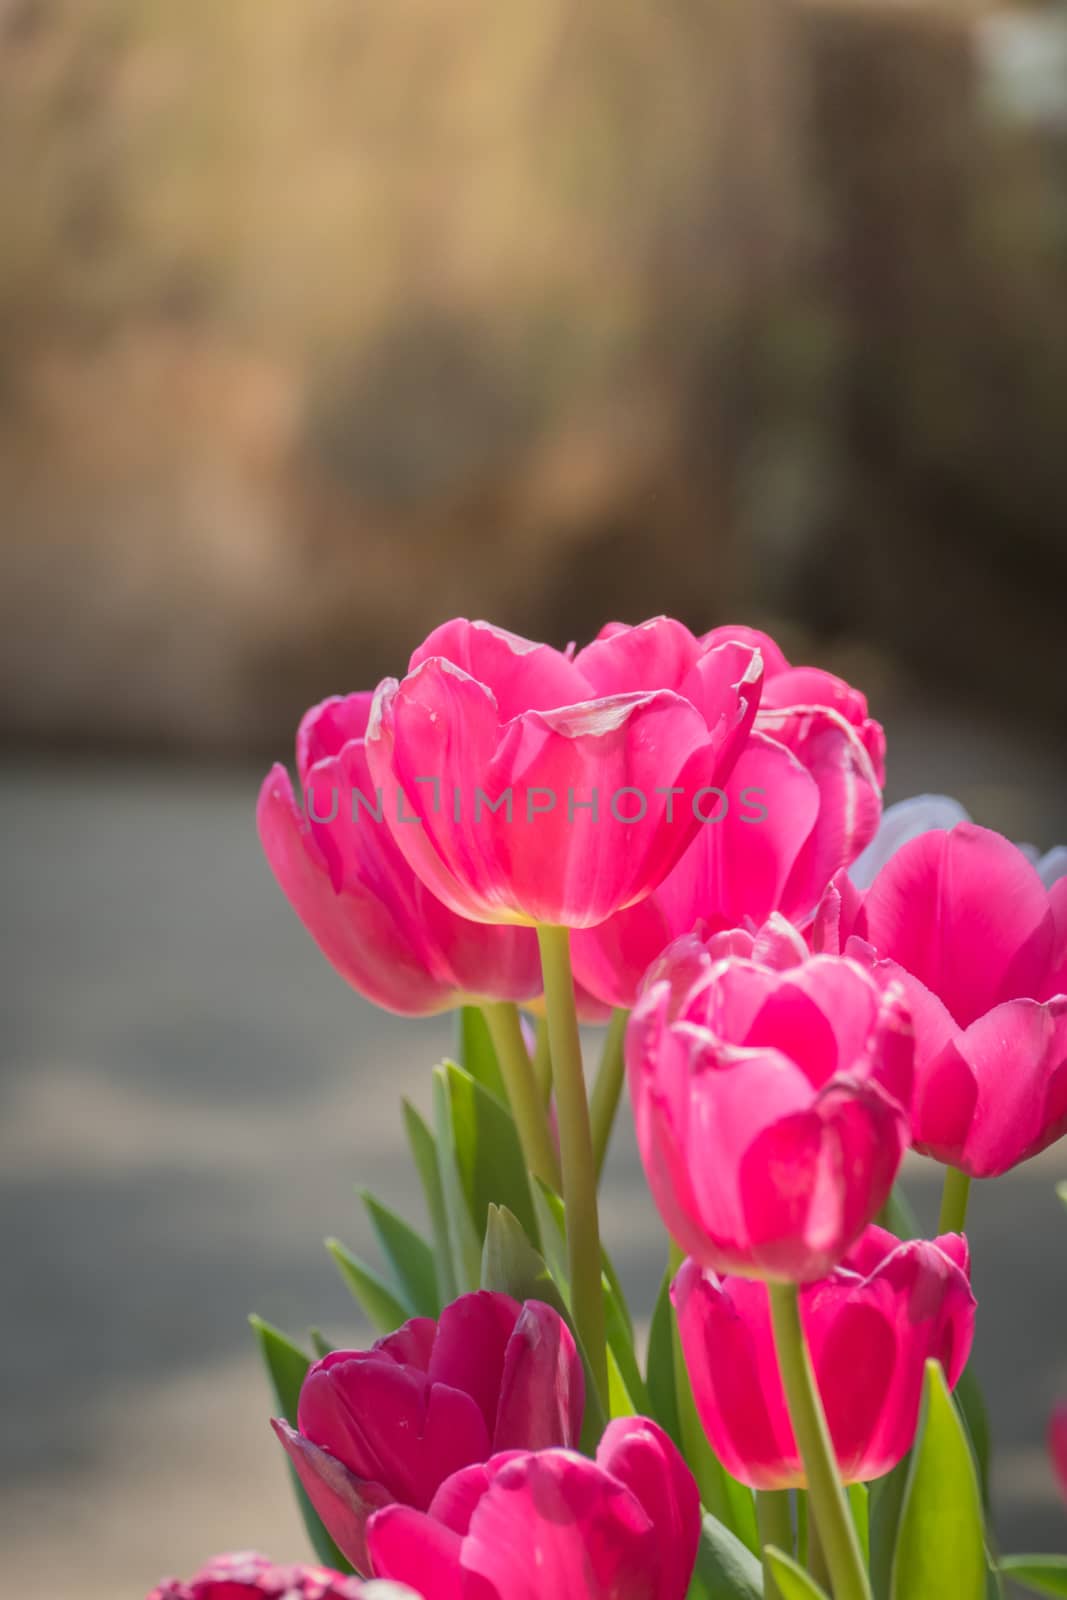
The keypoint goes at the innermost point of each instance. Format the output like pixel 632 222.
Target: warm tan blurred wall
pixel 320 320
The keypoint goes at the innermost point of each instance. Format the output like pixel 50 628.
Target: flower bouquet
pixel 678 839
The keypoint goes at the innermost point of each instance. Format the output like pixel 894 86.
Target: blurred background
pixel 321 320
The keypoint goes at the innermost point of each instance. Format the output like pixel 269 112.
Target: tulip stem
pixel 828 1505
pixel 775 1523
pixel 505 1030
pixel 954 1198
pixel 604 1102
pixel 576 1152
pixel 542 1061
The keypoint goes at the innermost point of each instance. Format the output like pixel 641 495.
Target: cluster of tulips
pixel 682 838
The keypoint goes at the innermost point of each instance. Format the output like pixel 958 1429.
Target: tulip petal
pixel 343 1500
pixel 412 1548
pixel 553 1523
pixel 522 675
pixel 542 1388
pixel 640 1455
pixel 468 1353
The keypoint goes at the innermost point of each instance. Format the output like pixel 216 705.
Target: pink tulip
pixel 770 1105
pixel 802 801
pixel 871 1325
pixel 962 920
pixel 341 871
pixel 393 1422
pixel 553 1524
pixel 247 1576
pixel 539 798
pixel 788 690
pixel 1057 1445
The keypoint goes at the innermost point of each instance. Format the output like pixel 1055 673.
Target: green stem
pixel 604 1101
pixel 817 1557
pixel 828 1505
pixel 542 1061
pixel 954 1198
pixel 505 1030
pixel 701 1459
pixel 775 1523
pixel 576 1152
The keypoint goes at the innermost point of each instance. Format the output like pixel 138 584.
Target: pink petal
pixel 542 1389
pixel 966 914
pixel 639 1454
pixel 468 1352
pixel 522 675
pixel 658 654
pixel 553 1523
pixel 343 1500
pixel 412 1548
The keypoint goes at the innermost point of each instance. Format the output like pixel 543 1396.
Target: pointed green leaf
pixel 464 1240
pixel 488 1154
pixel 898 1217
pixel 511 1265
pixel 659 1365
pixel 409 1256
pixel 1042 1574
pixel 380 1304
pixel 972 1407
pixel 287 1367
pixel 885 1504
pixel 320 1344
pixel 725 1568
pixel 941 1543
pixel 424 1151
pixel 628 1396
pixel 476 1052
pixel 793 1582
pixel 859 1506
pixel 1061 1191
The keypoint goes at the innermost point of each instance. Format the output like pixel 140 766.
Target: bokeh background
pixel 321 320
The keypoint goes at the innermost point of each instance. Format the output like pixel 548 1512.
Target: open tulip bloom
pixel 680 835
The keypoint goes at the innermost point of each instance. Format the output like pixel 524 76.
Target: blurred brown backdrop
pixel 321 320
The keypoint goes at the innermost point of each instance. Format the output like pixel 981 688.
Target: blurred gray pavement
pixel 188 1095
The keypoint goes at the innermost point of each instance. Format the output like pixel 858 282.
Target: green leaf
pixel 885 1505
pixel 972 1407
pixel 511 1265
pixel 409 1256
pixel 424 1151
pixel 488 1157
pixel 860 1508
pixel 898 1216
pixel 725 1568
pixel 287 1367
pixel 464 1240
pixel 319 1343
pixel 381 1306
pixel 793 1582
pixel 628 1396
pixel 1042 1574
pixel 659 1365
pixel 1061 1191
pixel 477 1055
pixel 941 1544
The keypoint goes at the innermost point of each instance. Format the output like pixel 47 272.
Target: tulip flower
pixel 962 920
pixel 871 1325
pixel 553 1524
pixel 536 798
pixel 770 1106
pixel 246 1576
pixel 341 871
pixel 393 1422
pixel 1057 1445
pixel 923 814
pixel 802 801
